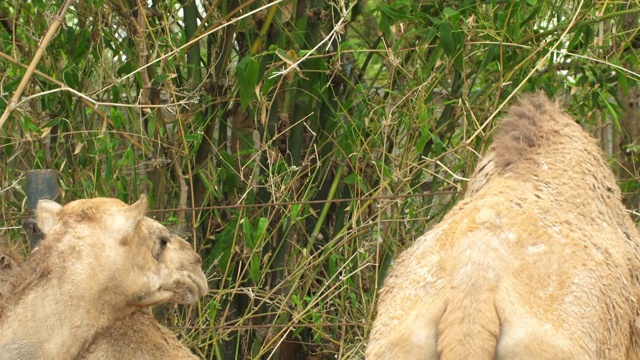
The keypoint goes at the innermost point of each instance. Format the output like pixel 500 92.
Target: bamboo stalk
pixel 327 205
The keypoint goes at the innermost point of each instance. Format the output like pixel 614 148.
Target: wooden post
pixel 41 184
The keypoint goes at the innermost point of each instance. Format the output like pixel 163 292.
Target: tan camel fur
pixel 139 335
pixel 100 261
pixel 540 260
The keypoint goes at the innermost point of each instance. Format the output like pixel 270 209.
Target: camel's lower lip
pixel 204 289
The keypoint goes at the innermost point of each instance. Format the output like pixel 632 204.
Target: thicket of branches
pixel 300 145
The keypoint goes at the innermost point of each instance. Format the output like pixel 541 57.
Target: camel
pixel 540 260
pixel 101 260
pixel 139 335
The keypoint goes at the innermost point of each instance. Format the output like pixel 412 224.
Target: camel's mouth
pixel 190 283
pixel 189 288
pixel 200 281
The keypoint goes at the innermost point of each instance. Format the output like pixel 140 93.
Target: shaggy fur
pixel 540 260
pixel 100 261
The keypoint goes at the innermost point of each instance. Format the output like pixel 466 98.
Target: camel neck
pixel 60 327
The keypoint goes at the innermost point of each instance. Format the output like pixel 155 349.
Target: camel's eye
pixel 163 242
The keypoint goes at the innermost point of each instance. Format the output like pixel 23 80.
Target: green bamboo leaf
pixel 351 178
pixel 295 210
pixel 223 247
pixel 162 78
pixel 247 229
pixel 392 13
pixel 449 12
pixel 612 112
pixel 458 41
pixel 623 84
pixel 491 53
pixel 247 74
pixel 151 126
pixel 255 268
pixel 396 10
pixel 576 39
pixel 116 118
pixel 446 38
pixel 260 229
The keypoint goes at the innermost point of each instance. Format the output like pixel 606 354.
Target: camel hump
pixel 527 127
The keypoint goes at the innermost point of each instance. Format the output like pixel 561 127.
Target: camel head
pixel 116 247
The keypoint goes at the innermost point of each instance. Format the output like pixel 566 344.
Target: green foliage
pixel 300 187
pixel 247 77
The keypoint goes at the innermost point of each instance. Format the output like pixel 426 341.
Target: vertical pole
pixel 41 184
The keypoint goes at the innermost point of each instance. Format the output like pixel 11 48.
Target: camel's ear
pixel 131 216
pixel 139 209
pixel 47 214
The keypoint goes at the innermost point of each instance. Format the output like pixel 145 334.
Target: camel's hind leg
pixel 531 339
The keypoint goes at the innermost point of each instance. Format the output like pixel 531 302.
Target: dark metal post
pixel 41 184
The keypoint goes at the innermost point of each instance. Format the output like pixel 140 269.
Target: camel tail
pixel 469 328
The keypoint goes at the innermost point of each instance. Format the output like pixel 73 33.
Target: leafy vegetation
pixel 300 145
